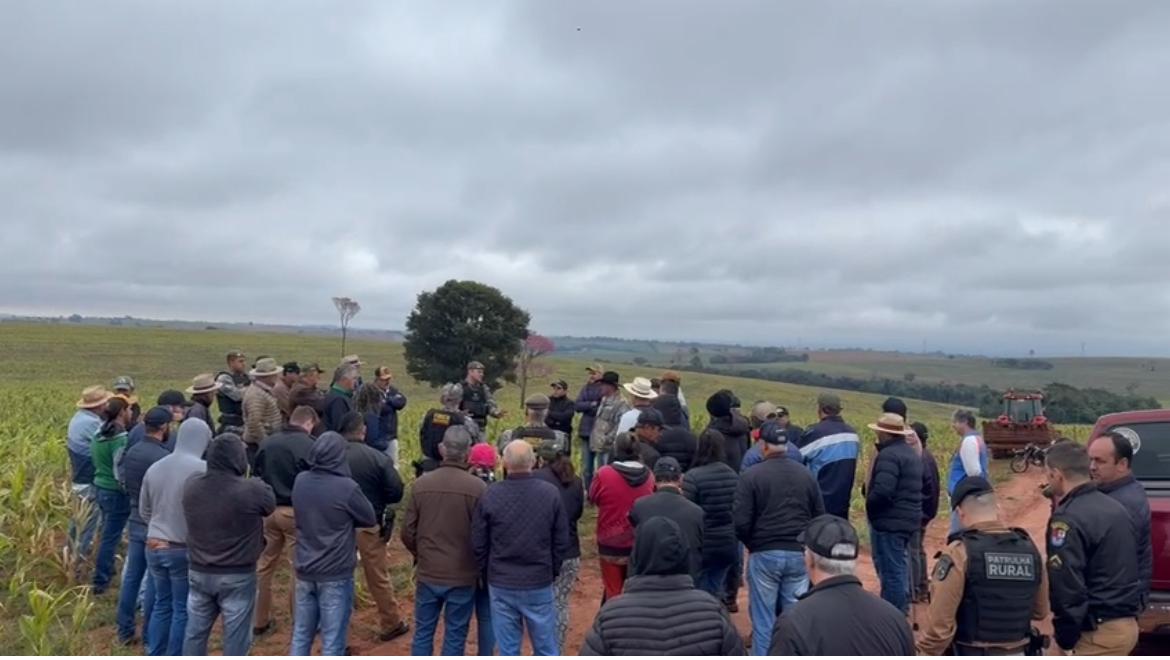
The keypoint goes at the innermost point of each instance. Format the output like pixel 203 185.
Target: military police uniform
pixel 435 425
pixel 231 398
pixel 535 433
pixel 989 585
pixel 1093 571
pixel 477 399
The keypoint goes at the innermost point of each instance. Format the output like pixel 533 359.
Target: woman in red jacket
pixel 614 490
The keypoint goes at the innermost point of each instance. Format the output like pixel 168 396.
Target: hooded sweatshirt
pixel 660 612
pixel 225 511
pixel 161 501
pixel 329 507
pixel 614 490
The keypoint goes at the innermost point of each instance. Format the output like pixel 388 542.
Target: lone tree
pixel 347 308
pixel 534 347
pixel 459 322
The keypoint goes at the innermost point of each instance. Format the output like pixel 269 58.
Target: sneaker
pixel 397 632
pixel 258 631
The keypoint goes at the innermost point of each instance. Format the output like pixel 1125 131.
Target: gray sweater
pixel 161 501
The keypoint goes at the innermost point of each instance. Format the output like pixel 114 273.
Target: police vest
pixel 1003 576
pixel 432 435
pixel 474 400
pixel 534 435
pixel 231 412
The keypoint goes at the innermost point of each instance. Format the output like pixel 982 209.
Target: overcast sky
pixel 985 176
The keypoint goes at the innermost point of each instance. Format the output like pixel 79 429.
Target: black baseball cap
pixel 650 417
pixel 830 537
pixel 560 383
pixel 894 405
pixel 773 434
pixel 292 368
pixel 173 398
pixel 667 469
pixel 157 418
pixel 970 486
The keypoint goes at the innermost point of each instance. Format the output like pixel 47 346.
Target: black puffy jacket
pixel 774 501
pixel 712 487
pixel 660 612
pixel 668 502
pixel 893 501
pixel 680 444
pixel 736 436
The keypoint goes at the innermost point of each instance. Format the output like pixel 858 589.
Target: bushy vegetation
pixel 1027 364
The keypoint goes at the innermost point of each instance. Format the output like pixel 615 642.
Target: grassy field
pixel 44 610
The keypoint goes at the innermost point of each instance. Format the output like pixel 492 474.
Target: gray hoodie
pixel 329 505
pixel 161 501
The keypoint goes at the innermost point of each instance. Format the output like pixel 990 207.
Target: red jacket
pixel 614 490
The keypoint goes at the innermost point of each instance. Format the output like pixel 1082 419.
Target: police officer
pixel 477 398
pixel 989 582
pixel 438 420
pixel 1092 561
pixel 535 429
pixel 230 396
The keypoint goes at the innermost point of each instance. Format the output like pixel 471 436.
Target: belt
pixel 160 544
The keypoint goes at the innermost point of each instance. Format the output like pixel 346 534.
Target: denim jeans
pixel 889 560
pixel 773 574
pixel 323 606
pixel 919 585
pixel 115 507
pixel 133 574
pixel 456 604
pixel 485 634
pixel 211 594
pixel 168 619
pixel 513 609
pixel 712 578
pixel 588 465
pixel 81 545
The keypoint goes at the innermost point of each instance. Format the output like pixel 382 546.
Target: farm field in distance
pixel 43 609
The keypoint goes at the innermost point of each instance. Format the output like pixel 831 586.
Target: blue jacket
pixel 520 533
pixel 1132 496
pixel 587 402
pixel 830 449
pixel 382 426
pixel 82 428
pixel 755 455
pixel 329 507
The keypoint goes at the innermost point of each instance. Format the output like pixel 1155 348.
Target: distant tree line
pixel 1064 404
pixel 766 355
pixel 1027 364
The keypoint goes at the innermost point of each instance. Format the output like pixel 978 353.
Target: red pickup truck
pixel 1149 431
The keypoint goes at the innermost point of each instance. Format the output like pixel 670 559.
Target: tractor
pixel 1021 423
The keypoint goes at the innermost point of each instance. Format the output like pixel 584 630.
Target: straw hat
pixel 892 424
pixel 641 388
pixel 94 396
pixel 203 384
pixel 266 367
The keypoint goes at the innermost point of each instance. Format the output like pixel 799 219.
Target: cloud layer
pixel 985 176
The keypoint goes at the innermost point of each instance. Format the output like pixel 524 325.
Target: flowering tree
pixel 532 348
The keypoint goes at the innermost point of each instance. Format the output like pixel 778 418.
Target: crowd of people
pixel 683 521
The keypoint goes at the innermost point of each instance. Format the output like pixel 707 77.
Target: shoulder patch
pixel 441 419
pixel 943 568
pixel 1058 534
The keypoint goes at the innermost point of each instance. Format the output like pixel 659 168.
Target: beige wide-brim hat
pixel 203 384
pixel 94 396
pixel 352 359
pixel 891 423
pixel 266 367
pixel 641 388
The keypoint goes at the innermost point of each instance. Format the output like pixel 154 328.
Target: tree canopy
pixel 459 322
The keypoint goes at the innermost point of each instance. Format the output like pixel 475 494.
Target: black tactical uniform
pixel 477 402
pixel 231 410
pixel 1093 572
pixel 434 425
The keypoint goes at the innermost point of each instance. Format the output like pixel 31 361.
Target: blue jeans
pixel 890 561
pixel 773 574
pixel 513 609
pixel 456 604
pixel 115 508
pixel 485 634
pixel 323 606
pixel 712 578
pixel 168 619
pixel 588 463
pixel 81 545
pixel 234 596
pixel 133 574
